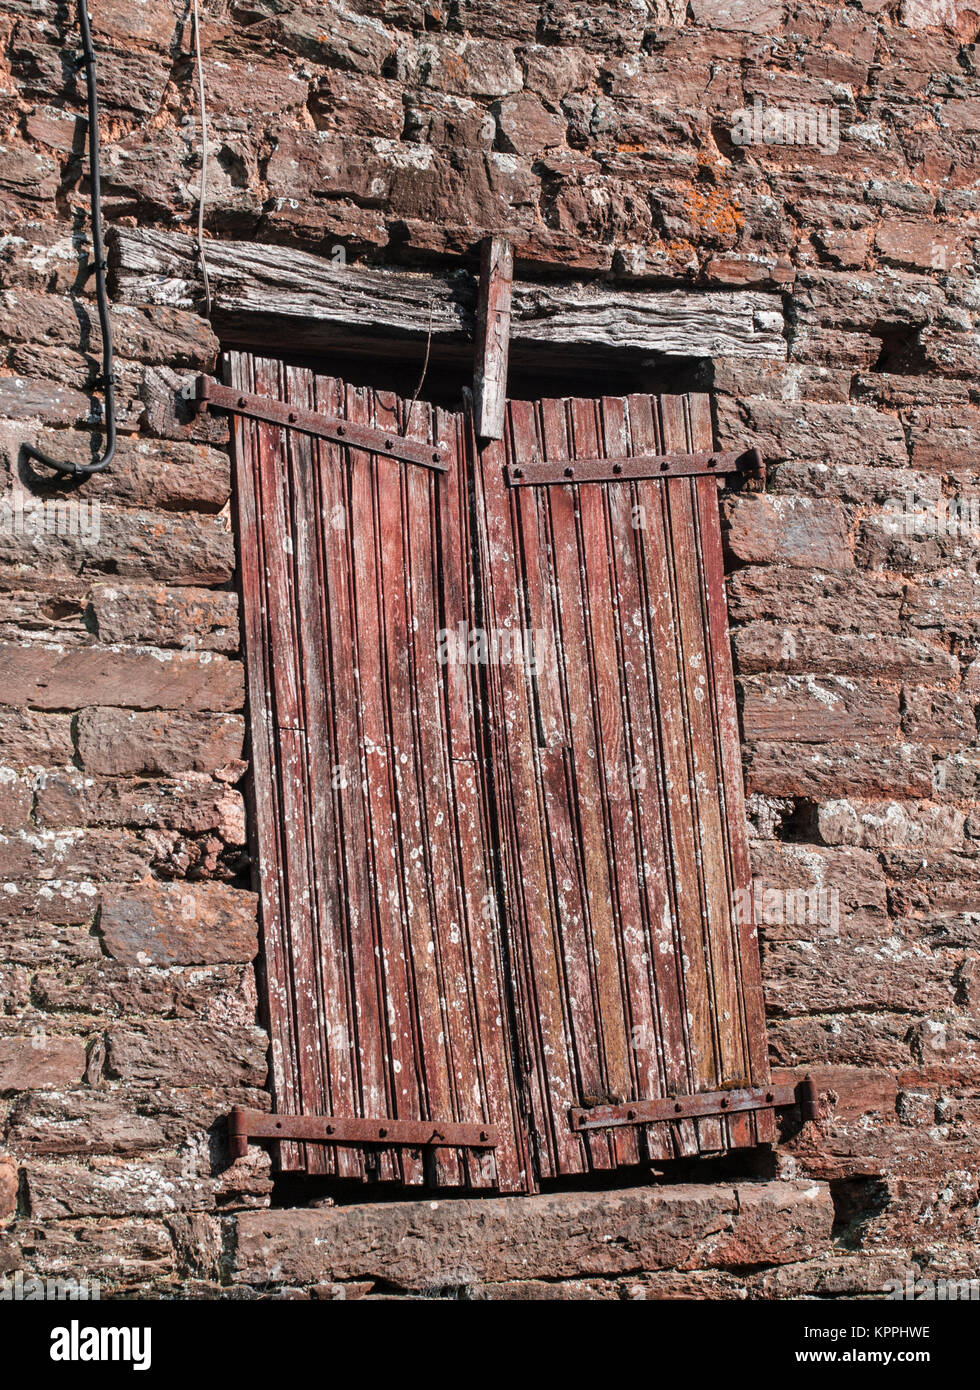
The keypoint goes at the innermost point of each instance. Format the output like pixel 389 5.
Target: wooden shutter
pixel 385 988
pixel 617 782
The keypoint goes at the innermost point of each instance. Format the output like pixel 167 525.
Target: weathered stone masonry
pixel 598 137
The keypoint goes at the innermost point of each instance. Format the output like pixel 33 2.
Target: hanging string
pixel 425 368
pixel 204 163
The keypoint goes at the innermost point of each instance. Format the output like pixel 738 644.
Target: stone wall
pixel 600 137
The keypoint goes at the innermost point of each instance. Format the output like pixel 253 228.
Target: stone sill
pixel 430 1246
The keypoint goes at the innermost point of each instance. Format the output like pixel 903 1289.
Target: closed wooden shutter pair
pixel 498 806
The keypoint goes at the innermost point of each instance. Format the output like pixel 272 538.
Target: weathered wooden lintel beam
pixel 285 299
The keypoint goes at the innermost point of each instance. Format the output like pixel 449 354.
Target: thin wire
pixel 82 470
pixel 204 163
pixel 425 368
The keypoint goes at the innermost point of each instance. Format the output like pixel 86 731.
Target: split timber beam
pixel 283 299
pixel 491 347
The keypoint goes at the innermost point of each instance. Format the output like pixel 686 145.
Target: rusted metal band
pixel 291 417
pixel 645 1112
pixel 333 1129
pixel 638 466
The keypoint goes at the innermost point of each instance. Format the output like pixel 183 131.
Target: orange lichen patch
pixel 715 211
pixel 456 67
pixel 680 251
pixel 631 149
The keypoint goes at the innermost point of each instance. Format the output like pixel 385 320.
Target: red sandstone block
pixel 138 26
pixel 919 825
pixel 525 127
pixel 889 542
pixel 74 855
pixel 948 603
pixel 52 677
pixel 942 883
pixel 833 347
pixel 813 429
pixel 853 875
pixel 120 1119
pixel 118 742
pixel 846 247
pixel 194 803
pixel 829 976
pixel 122 1254
pixel 189 1054
pixel 819 770
pixel 351 40
pixel 16 799
pixel 748 16
pixel 845 1039
pixel 222 994
pixel 939 716
pixel 15 988
pixel 28 739
pixel 192 618
pixel 851 601
pixel 832 1274
pixel 22 398
pixel 814 709
pixel 171 924
pixel 32 1061
pixel 774 647
pixel 128 543
pixel 115 1187
pixel 789 530
pixel 945 439
pixel 859 303
pixel 556 1235
pixel 918 245
pixel 145 473
pixel 856 484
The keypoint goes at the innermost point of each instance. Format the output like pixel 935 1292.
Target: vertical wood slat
pixel 340 812
pixel 475 965
pixel 289 715
pixel 535 865
pixel 715 988
pixel 657 1027
pixel 384 985
pixel 253 534
pixel 324 979
pixel 677 943
pixel 759 1127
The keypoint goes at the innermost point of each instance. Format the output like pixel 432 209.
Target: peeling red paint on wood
pixel 384 978
pixel 598 755
pixel 619 783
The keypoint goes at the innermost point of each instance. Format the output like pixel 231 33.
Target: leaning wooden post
pixel 492 336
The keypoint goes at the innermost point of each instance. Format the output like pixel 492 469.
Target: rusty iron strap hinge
pixel 627 469
pixel 244 1125
pixel 370 438
pixel 696 1107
